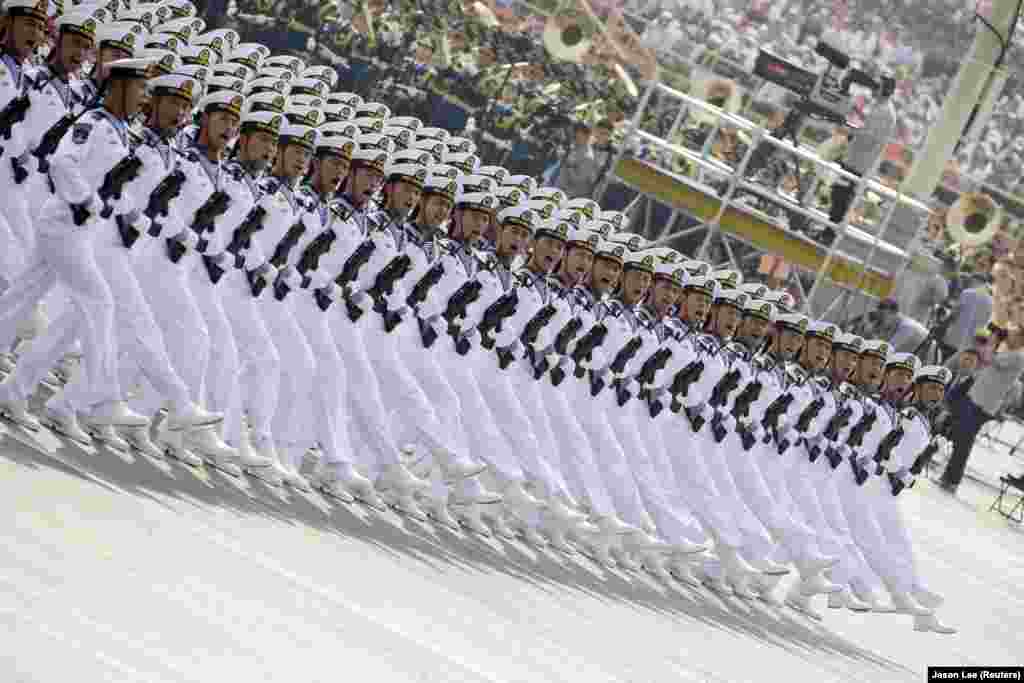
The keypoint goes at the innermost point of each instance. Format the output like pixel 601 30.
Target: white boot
pixel 138 439
pixel 287 455
pixel 471 491
pixel 455 468
pixel 903 603
pixel 173 445
pixel 817 584
pixel 7 363
pixel 206 444
pixel 260 450
pixel 766 585
pixel 341 480
pixel 65 424
pixel 739 573
pixel 471 517
pixel 117 414
pixel 931 624
pixel 437 510
pixel 405 503
pixel 108 436
pixel 927 598
pixel 522 505
pixel 17 412
pixel 398 479
pixel 845 599
pixel 801 602
pixel 192 416
pixel 498 520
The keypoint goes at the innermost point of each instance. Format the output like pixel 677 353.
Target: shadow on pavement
pixel 169 484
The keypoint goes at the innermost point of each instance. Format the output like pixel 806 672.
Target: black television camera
pixel 826 96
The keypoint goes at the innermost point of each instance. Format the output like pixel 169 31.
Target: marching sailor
pixel 88 171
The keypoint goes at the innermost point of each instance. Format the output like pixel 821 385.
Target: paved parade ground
pixel 118 570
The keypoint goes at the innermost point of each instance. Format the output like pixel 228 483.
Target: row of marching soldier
pixel 301 288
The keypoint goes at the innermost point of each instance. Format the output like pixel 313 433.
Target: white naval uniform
pixel 460 264
pixel 298 366
pixel 328 420
pixel 259 371
pixel 613 459
pixel 691 475
pixel 413 419
pixel 916 437
pixel 495 387
pixel 652 473
pixel 734 471
pixel 64 254
pixel 425 252
pixel 370 425
pixel 581 465
pixel 14 250
pixel 141 349
pixel 860 502
pixel 515 385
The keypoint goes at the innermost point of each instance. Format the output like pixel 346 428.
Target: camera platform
pixel 715 196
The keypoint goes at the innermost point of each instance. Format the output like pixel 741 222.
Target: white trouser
pixel 298 368
pixel 185 333
pixel 413 419
pixel 67 258
pixel 139 341
pixel 628 421
pixel 536 464
pixel 887 511
pixel 220 382
pixel 509 418
pixel 804 480
pixel 329 418
pixel 12 255
pixel 758 511
pixel 695 484
pixel 423 366
pixel 592 471
pixel 859 503
pixel 854 564
pixel 484 439
pixel 371 425
pixel 259 370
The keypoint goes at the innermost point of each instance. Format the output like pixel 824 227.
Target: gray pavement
pixel 115 569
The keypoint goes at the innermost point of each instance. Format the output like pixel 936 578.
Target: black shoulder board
pixel 707 344
pixel 340 212
pixel 80 133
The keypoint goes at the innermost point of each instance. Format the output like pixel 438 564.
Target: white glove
pixel 318 279
pixel 333 292
pixel 290 277
pixel 267 272
pixel 142 223
pixel 187 238
pixel 945 447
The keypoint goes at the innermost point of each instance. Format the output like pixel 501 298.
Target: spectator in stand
pixel 578 172
pixel 886 322
pixel 974 309
pixel 983 401
pixel 604 150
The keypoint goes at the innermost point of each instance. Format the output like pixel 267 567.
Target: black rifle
pixel 653 365
pixel 79 214
pixel 50 140
pixel 810 412
pixel 536 324
pixel 725 386
pixel 314 251
pixel 350 271
pixel 496 313
pixel 585 347
pixel 565 335
pixel 838 423
pixel 746 398
pixel 887 444
pixel 467 294
pixel 622 394
pixel 696 420
pixel 422 288
pixel 158 205
pixel 922 460
pixel 896 485
pixel 125 171
pixel 288 242
pixel 384 285
pixel 682 382
pixel 206 215
pixel 775 411
pixel 626 354
pixel 834 457
pixel 257 283
pixel 859 430
pixel 241 238
pixel 13 114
